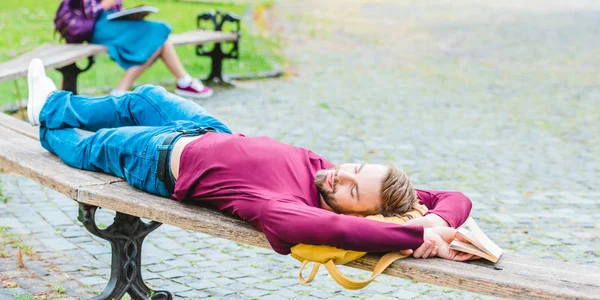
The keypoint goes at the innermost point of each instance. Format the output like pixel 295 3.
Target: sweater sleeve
pixel 286 224
pixel 453 207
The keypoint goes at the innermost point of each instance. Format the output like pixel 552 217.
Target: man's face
pixel 352 188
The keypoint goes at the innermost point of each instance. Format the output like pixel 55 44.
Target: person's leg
pixel 133 73
pixel 127 152
pixel 186 85
pixel 171 60
pixel 146 106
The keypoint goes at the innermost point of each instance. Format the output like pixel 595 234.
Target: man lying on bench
pixel 172 147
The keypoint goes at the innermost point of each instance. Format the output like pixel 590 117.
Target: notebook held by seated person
pixel 136 13
pixel 479 243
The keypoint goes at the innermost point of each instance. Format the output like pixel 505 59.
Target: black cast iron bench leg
pixel 126 236
pixel 217 54
pixel 70 74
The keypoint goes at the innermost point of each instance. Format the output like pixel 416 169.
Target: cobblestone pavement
pixel 497 100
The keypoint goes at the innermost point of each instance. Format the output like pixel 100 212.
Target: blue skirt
pixel 130 42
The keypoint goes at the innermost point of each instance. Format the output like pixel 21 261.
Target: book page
pixel 483 240
pixel 468 248
pixel 469 236
pixel 140 10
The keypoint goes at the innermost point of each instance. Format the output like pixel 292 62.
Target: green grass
pixel 27 24
pixel 24 296
pixel 3 198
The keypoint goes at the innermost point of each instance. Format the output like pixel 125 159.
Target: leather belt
pixel 162 171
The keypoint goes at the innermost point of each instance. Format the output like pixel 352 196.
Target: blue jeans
pixel 122 135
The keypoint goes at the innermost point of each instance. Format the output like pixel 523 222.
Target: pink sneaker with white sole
pixel 195 90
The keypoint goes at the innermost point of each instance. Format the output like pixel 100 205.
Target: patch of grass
pixel 59 289
pixel 3 198
pixel 324 105
pixel 27 24
pixel 24 296
pixel 8 238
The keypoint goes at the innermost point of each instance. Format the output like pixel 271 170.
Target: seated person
pixel 135 44
pixel 172 147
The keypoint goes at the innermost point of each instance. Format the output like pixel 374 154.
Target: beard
pixel 325 192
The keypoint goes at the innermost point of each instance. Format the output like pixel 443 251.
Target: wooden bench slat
pixel 25 156
pixel 121 197
pixel 19 126
pixel 197 37
pixel 518 277
pixel 53 56
pixel 60 55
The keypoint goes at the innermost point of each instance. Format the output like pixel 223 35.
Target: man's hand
pixel 106 4
pixel 427 249
pixel 437 240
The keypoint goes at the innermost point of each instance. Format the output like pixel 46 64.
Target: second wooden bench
pixel 63 57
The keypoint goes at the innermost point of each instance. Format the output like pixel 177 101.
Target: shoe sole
pixel 193 95
pixel 30 95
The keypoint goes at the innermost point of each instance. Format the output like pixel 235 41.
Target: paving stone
pixel 12 293
pixel 176 288
pixel 271 297
pixel 193 294
pixel 149 275
pixel 176 263
pixel 223 281
pixel 219 292
pixel 248 280
pixel 200 284
pixel 58 244
pixel 285 282
pixel 92 280
pixel 285 294
pixel 70 234
pixel 320 294
pixel 171 273
pixel 157 268
pixel 254 293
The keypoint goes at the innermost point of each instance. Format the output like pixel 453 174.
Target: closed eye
pixel 354 190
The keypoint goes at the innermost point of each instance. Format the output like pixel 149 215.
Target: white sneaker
pixel 40 87
pixel 195 90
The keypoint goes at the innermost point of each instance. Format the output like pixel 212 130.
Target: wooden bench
pixel 514 276
pixel 63 57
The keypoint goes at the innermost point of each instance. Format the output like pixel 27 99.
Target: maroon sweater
pixel 270 185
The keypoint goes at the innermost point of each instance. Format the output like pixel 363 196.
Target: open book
pixel 479 243
pixel 136 13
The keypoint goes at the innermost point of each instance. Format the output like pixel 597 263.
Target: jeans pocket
pixel 135 181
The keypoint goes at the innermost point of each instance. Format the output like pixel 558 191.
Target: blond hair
pixel 397 193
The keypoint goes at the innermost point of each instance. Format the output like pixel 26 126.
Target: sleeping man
pixel 172 147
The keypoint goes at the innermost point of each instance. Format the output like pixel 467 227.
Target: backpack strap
pixel 313 272
pixel 320 254
pixel 353 284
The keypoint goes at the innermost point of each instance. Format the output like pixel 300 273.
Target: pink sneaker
pixel 195 90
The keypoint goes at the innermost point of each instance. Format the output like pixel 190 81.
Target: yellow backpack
pixel 331 256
